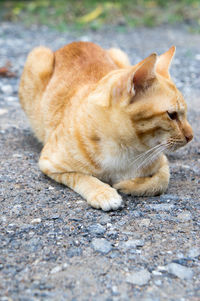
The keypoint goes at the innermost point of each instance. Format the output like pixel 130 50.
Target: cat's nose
pixel 189 137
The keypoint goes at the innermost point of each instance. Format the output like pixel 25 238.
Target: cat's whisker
pixel 151 157
pixel 143 155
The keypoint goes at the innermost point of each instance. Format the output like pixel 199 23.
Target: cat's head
pixel 144 104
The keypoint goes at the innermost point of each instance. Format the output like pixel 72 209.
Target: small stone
pixel 156 273
pixel 65 265
pixel 85 39
pixel 101 245
pixel 144 222
pixel 133 243
pixel 104 219
pixel 16 209
pixel 76 243
pixel 162 268
pixel 74 251
pixel 97 229
pixel 11 98
pixel 57 269
pixel 161 207
pixel 51 188
pixel 3 111
pixel 3 218
pixel 55 216
pixel 7 89
pixel 158 282
pixel 140 278
pixel 180 271
pixel 36 221
pixel 169 197
pixel 17 156
pixel 115 291
pixel 194 252
pixel 197 57
pixel 184 216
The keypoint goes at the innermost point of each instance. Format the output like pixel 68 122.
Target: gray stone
pixel 104 219
pixel 56 269
pixel 36 221
pixel 74 251
pixel 97 229
pixel 180 271
pixel 140 278
pixel 3 111
pixel 101 245
pixel 194 252
pixel 184 216
pixel 7 89
pixel 161 207
pixel 133 243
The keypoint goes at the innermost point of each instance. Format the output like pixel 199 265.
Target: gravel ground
pixel 53 246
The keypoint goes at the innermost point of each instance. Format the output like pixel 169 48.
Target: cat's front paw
pixel 140 187
pixel 106 200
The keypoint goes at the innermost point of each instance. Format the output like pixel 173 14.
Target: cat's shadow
pixel 30 143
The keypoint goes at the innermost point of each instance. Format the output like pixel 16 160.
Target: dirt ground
pixel 53 246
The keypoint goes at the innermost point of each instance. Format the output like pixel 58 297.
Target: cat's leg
pixel 149 186
pixel 119 57
pixel 96 193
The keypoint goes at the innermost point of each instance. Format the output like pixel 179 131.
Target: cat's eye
pixel 172 115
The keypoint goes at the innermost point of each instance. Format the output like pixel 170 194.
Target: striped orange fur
pixel 105 125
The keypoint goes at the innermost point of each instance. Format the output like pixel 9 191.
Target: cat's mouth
pixel 174 144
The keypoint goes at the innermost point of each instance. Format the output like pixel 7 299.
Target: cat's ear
pixel 138 78
pixel 164 62
pixel 145 72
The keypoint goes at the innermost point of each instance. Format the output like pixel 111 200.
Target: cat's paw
pixel 133 186
pixel 107 200
pixel 140 187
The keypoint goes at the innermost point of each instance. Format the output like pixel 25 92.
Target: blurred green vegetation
pixel 64 14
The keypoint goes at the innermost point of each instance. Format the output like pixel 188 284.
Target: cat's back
pixel 82 62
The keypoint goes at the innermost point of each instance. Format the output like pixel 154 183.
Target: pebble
pixel 156 273
pixel 16 209
pixel 3 111
pixel 57 269
pixel 158 282
pixel 133 243
pixel 144 222
pixel 85 39
pixel 101 245
pixel 194 252
pixel 180 271
pixel 104 219
pixel 7 89
pixel 161 207
pixel 74 251
pixel 184 216
pixel 11 98
pixel 140 278
pixel 36 221
pixel 97 229
pixel 197 57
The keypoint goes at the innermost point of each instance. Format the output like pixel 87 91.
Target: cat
pixel 105 125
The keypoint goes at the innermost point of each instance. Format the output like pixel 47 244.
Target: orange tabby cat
pixel 102 120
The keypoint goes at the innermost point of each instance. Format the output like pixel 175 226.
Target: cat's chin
pixel 173 149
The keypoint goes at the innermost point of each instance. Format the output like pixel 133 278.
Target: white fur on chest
pixel 117 162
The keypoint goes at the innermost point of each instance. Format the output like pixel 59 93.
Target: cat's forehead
pixel 177 103
pixel 174 100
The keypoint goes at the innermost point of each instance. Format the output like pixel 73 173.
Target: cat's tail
pixel 37 72
pixel 119 57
